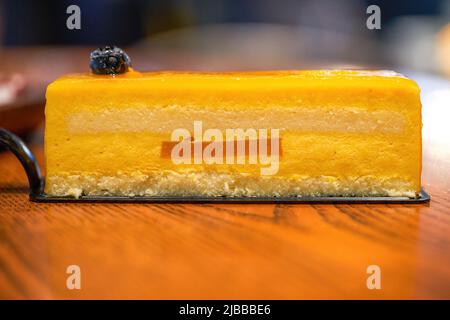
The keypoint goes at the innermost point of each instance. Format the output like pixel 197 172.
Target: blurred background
pixel 37 46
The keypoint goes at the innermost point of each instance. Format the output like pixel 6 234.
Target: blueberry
pixel 109 60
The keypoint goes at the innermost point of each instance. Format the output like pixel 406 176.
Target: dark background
pixel 307 30
pixel 34 22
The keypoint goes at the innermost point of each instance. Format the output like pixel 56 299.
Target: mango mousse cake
pixel 119 132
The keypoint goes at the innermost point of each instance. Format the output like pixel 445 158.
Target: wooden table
pixel 230 251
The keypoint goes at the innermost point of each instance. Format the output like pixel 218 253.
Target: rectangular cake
pixel 281 133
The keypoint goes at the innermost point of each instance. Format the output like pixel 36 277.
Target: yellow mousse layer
pixel 339 133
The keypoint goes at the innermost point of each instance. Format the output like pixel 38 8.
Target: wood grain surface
pixel 229 251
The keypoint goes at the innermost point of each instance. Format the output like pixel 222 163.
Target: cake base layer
pixel 229 184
